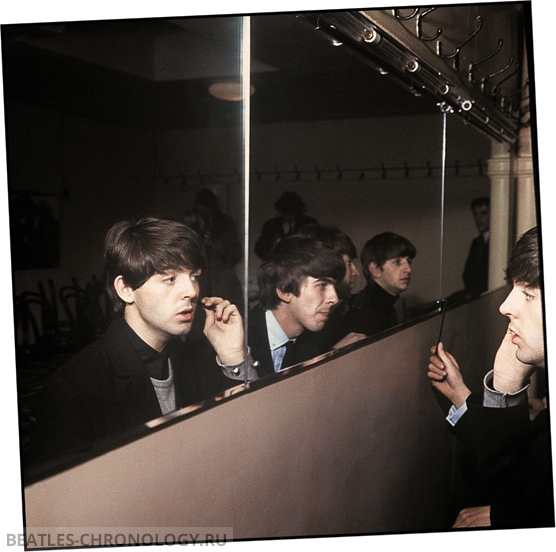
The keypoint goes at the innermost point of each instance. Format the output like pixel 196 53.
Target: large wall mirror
pixel 117 120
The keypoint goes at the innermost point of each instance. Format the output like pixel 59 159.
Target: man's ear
pixel 374 269
pixel 125 292
pixel 284 296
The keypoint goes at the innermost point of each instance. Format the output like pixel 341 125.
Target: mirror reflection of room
pixel 368 203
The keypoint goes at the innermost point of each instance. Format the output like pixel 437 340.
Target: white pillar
pixel 526 208
pixel 500 212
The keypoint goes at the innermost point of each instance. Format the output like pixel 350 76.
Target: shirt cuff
pixel 238 371
pixel 455 414
pixel 495 399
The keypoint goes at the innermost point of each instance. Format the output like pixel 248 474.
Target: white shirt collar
pixel 276 335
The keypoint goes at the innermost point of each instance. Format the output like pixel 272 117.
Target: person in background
pixel 297 291
pixel 332 337
pixel 290 220
pixel 510 447
pixel 143 366
pixel 223 247
pixel 386 261
pixel 337 240
pixel 475 272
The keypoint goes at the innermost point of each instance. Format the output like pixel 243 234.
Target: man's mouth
pixel 515 336
pixel 186 315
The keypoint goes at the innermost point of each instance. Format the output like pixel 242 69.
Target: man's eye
pixel 195 276
pixel 169 280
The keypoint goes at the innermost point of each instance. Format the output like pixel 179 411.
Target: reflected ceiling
pixel 156 73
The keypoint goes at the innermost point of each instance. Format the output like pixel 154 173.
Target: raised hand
pixel 445 376
pixel 224 330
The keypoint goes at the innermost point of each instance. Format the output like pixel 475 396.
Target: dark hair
pixel 480 201
pixel 207 198
pixel 290 261
pixel 332 237
pixel 383 247
pixel 290 203
pixel 523 266
pixel 150 246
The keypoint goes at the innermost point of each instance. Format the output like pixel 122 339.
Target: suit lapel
pixel 258 342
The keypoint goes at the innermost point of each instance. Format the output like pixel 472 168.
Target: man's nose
pixel 332 295
pixel 508 307
pixel 188 287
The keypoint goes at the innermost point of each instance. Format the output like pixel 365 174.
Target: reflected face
pixel 394 276
pixel 164 306
pixel 311 309
pixel 345 286
pixel 523 307
pixel 481 215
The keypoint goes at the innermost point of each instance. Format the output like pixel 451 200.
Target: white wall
pixel 361 206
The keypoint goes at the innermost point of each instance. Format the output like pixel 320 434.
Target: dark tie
pixel 288 359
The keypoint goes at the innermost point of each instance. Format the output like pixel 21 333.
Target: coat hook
pixel 499 72
pixel 457 50
pixel 496 87
pixel 406 17
pixel 474 64
pixel 519 91
pixel 420 29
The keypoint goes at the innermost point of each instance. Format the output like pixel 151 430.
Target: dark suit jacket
pixel 273 231
pixel 513 460
pixel 105 392
pixel 305 349
pixel 369 312
pixel 475 272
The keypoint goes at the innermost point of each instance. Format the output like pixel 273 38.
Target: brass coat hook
pixel 455 53
pixel 474 64
pixel 420 29
pixel 496 73
pixel 398 15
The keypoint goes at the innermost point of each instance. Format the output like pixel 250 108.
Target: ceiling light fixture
pixel 229 91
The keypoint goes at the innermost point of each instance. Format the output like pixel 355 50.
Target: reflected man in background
pixel 332 337
pixel 291 218
pixel 222 244
pixel 512 453
pixel 297 290
pixel 386 261
pixel 475 272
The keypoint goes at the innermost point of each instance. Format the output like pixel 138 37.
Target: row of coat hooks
pixel 507 68
pixel 338 173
